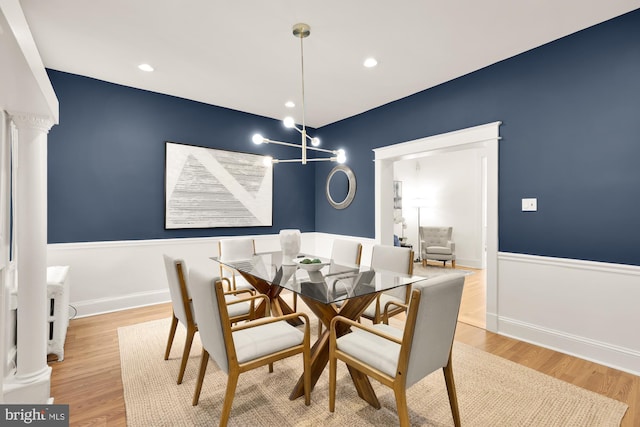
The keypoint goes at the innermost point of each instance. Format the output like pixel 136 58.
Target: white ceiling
pixel 242 55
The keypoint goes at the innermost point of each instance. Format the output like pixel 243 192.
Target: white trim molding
pixel 485 136
pixel 583 308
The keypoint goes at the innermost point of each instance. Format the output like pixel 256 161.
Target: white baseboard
pixel 118 303
pixel 604 353
pixel 491 321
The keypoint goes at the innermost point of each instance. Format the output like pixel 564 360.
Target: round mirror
pixel 341 186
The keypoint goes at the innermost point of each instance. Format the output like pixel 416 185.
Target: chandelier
pixel 302 31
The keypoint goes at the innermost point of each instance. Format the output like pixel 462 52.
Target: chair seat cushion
pixel 443 250
pixel 252 343
pixel 242 284
pixel 370 311
pixel 373 350
pixel 239 309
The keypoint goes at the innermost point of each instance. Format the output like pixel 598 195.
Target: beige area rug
pixel 491 391
pixel 434 271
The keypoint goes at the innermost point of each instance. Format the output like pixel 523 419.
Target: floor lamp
pixel 419 203
pixel 419 252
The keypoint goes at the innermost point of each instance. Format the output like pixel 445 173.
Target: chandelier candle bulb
pixel 289 123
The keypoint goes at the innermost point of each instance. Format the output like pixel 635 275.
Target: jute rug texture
pixel 491 392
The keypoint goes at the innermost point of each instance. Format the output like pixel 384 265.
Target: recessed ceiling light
pixel 145 67
pixel 289 104
pixel 370 62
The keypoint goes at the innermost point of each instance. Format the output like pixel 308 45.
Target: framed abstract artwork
pixel 207 188
pixel 397 194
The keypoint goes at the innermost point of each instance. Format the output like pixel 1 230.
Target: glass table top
pixel 333 282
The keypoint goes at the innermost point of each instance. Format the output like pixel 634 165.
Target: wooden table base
pixel 351 309
pixel 279 306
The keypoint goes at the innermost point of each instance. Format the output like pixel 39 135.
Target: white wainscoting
pixel 112 276
pixel 587 309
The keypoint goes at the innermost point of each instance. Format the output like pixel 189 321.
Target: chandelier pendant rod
pixel 304 128
pixel 302 31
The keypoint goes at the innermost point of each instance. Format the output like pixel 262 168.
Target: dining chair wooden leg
pixel 401 404
pixel 333 364
pixel 319 328
pixel 172 334
pixel 306 362
pixel 185 353
pixel 232 381
pixel 203 370
pixel 451 391
pixel 271 368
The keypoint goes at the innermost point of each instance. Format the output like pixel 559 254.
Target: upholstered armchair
pixel 436 244
pixel 400 358
pixel 182 305
pixel 241 348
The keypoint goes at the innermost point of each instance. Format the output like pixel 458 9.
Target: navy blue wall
pixel 106 162
pixel 570 137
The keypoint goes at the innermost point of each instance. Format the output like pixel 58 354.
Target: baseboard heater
pixel 58 306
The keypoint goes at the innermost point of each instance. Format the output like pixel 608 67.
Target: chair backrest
pixel 177 278
pixel 236 249
pixel 346 251
pixel 214 327
pixel 431 324
pixel 392 258
pixel 436 236
pixel 396 259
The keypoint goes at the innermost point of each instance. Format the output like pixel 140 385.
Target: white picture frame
pixel 209 188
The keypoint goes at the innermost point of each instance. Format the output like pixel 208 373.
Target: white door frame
pixel 486 136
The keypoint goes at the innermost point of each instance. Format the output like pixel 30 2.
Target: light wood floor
pixel 473 306
pixel 89 378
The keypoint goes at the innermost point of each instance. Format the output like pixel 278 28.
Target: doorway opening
pixel 485 138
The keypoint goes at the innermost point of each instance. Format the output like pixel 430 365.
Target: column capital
pixel 31 121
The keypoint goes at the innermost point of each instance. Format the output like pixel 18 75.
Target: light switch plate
pixel 529 205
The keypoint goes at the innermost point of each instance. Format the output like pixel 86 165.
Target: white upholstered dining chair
pixel 398 260
pixel 342 252
pixel 246 346
pixel 400 358
pixel 177 278
pixel 346 251
pixel 236 250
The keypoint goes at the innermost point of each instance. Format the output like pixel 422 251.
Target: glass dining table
pixel 333 289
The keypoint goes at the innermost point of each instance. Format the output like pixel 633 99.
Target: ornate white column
pixel 32 381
